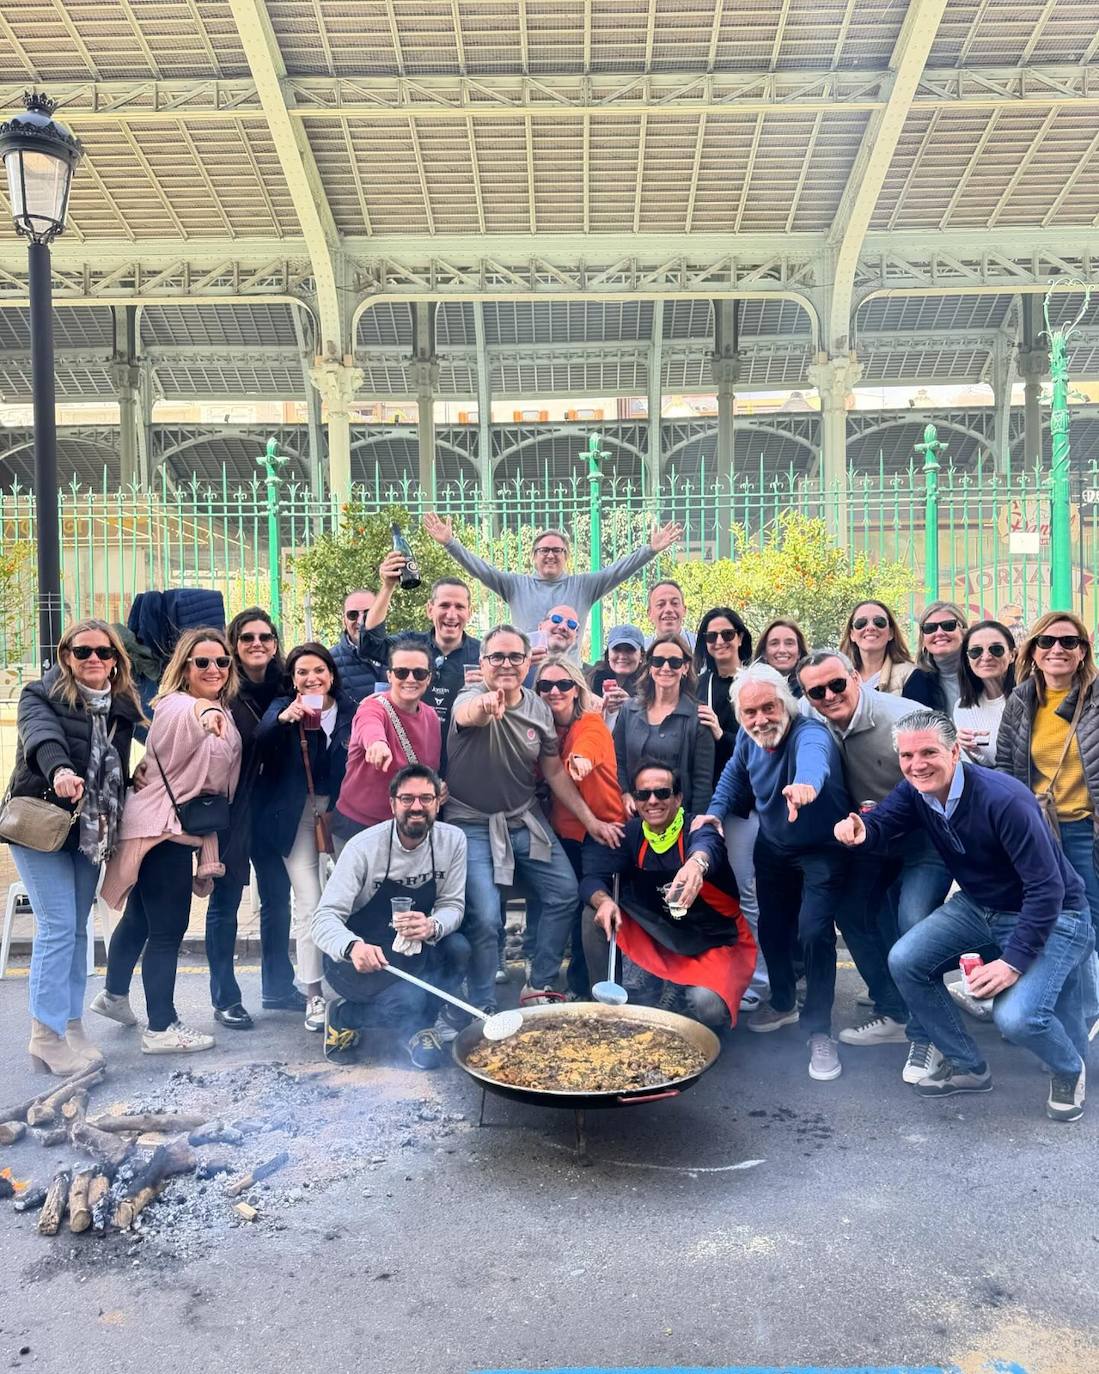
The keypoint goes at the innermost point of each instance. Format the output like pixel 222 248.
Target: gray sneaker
pixel 923 1059
pixel 768 1019
pixel 1066 1096
pixel 947 1080
pixel 824 1060
pixel 877 1030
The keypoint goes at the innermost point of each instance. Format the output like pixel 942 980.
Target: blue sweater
pixel 754 778
pixel 997 848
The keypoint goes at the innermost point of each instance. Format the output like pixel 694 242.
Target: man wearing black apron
pixel 359 930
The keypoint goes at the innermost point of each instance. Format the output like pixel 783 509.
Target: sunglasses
pixel 249 638
pixel 202 662
pixel 726 636
pixel 947 626
pixel 996 650
pixel 353 615
pixel 412 799
pixel 659 661
pixel 498 660
pixel 879 622
pixel 550 548
pixel 837 686
pixel 1065 641
pixel 418 674
pixel 103 652
pixel 643 794
pixel 564 620
pixel 546 685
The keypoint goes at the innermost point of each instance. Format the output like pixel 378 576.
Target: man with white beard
pixel 788 768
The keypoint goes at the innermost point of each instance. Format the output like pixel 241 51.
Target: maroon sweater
pixel 364 796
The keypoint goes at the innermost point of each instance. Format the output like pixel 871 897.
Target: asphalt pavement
pixel 760 1219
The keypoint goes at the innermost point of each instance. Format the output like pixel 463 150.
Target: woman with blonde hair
pixel 875 644
pixel 587 751
pixel 75 727
pixel 937 680
pixel 193 763
pixel 1049 740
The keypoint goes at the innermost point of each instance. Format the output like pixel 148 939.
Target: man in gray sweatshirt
pixel 360 931
pixel 531 596
pixel 894 888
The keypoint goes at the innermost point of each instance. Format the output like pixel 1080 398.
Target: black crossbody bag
pixel 202 815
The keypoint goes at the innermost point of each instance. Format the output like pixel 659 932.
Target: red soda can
pixel 866 807
pixel 968 963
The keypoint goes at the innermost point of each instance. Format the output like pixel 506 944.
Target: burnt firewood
pixel 7 1188
pixel 101 1145
pixel 50 1135
pixel 80 1216
pixel 46 1110
pixel 98 1201
pixel 57 1199
pixel 257 1174
pixel 216 1133
pixel 11 1131
pixel 168 1122
pixel 168 1160
pixel 29 1201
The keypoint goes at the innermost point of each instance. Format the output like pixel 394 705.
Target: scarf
pixel 103 786
pixel 660 843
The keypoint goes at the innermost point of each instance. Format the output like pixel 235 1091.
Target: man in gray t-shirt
pixel 531 597
pixel 498 739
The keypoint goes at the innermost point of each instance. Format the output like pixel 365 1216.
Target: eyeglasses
pixel 659 661
pixel 726 636
pixel 879 622
pixel 996 650
pixel 1065 641
pixel 643 794
pixel 837 686
pixel 249 638
pixel 103 652
pixel 564 620
pixel 202 662
pixel 550 548
pixel 419 674
pixel 410 799
pixel 546 685
pixel 498 660
pixel 947 626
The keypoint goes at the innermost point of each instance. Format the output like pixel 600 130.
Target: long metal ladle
pixel 609 992
pixel 499 1026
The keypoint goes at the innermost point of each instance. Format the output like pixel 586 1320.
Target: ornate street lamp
pixel 40 155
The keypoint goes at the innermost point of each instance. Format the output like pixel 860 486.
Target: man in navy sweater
pixel 788 769
pixel 1018 896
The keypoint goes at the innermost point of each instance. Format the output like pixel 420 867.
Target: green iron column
pixel 931 448
pixel 271 461
pixel 593 455
pixel 1060 518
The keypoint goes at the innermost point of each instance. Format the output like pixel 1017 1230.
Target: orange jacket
pixel 590 738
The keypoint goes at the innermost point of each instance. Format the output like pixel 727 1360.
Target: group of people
pixel 723 804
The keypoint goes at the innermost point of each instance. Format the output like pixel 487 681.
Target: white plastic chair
pixel 17 892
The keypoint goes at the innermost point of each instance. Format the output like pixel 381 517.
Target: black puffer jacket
pixel 1013 740
pixel 252 701
pixel 53 735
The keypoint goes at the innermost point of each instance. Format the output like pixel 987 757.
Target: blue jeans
pixel 276 970
pixel 576 976
pixel 1043 1011
pixel 377 999
pixel 61 888
pixel 1077 842
pixel 556 885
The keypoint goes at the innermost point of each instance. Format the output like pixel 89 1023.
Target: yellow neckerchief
pixel 661 843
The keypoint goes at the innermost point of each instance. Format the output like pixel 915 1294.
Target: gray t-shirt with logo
pixel 492 767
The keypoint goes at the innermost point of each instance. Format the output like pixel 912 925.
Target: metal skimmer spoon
pixel 609 992
pixel 497 1027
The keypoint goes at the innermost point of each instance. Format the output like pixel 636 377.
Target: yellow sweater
pixel 1047 739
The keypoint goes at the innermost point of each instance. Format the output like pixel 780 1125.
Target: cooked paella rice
pixel 587 1054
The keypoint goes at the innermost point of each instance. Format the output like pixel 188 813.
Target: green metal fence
pixel 992 548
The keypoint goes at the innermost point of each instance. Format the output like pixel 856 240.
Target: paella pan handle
pixel 545 996
pixel 649 1097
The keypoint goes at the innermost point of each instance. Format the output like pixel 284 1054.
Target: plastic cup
pixel 398 907
pixel 314 705
pixel 473 675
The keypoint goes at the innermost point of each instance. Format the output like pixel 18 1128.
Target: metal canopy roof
pixel 272 181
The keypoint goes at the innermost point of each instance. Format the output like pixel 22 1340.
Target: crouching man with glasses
pixel 501 733
pixel 410 860
pixel 1021 905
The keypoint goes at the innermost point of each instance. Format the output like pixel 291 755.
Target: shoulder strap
pixel 167 784
pixel 395 721
pixel 308 769
pixel 1077 713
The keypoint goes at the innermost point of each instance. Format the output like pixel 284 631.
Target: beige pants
pixel 303 866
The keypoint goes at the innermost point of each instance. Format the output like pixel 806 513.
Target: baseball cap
pixel 626 634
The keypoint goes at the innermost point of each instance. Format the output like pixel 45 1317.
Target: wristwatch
pixel 348 948
pixel 702 861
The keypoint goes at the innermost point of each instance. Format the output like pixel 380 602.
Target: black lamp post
pixel 40 156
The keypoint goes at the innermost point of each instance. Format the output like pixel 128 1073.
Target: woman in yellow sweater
pixel 1049 739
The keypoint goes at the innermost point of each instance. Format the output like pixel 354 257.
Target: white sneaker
pixel 970 1005
pixel 113 1008
pixel 879 1030
pixel 824 1060
pixel 314 1014
pixel 923 1059
pixel 751 1001
pixel 177 1039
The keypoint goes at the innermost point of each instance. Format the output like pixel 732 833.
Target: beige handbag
pixel 36 823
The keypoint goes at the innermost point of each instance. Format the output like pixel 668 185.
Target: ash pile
pixel 209 1151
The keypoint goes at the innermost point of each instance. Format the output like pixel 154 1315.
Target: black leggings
pixel 155 921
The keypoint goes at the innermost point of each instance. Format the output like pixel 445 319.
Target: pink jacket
pixel 364 796
pixel 194 761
